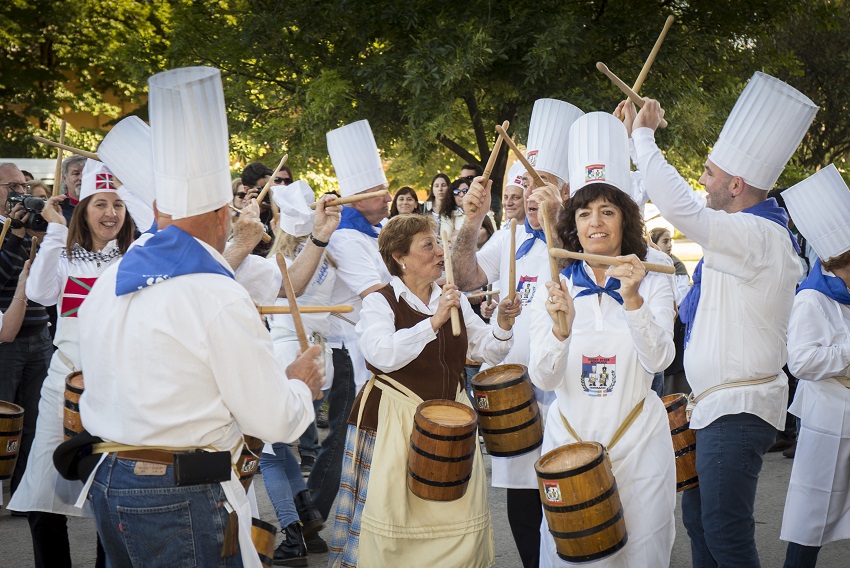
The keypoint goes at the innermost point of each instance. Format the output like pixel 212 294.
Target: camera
pixel 32 205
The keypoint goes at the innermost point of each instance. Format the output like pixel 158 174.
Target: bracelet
pixel 505 339
pixel 21 299
pixel 317 242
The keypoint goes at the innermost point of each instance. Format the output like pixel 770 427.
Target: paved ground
pixel 16 552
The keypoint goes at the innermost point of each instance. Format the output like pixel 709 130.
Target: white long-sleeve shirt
pixel 818 338
pixel 748 281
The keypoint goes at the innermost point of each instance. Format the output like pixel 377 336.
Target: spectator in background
pixel 451 213
pixel 27 176
pixel 36 188
pixel 662 238
pixel 10 322
pixel 439 191
pixel 470 171
pixel 254 178
pixel 72 179
pixel 405 201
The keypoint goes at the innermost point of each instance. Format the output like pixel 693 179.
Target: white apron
pixel 604 383
pixel 399 529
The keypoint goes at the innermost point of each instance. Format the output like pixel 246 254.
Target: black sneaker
pixel 292 551
pixel 316 544
pixel 311 518
pixel 307 463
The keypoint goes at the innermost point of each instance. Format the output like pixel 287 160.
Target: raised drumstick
pixel 608 260
pixel 450 279
pixel 293 304
pixel 353 198
pixel 33 249
pixel 652 54
pixel 553 264
pixel 486 294
pixel 271 179
pixel 512 271
pixel 337 309
pixel 529 168
pixel 491 163
pixel 57 176
pixel 633 96
pixel 47 142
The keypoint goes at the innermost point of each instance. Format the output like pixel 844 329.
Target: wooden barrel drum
pixel 11 428
pixel 442 447
pixel 249 461
pixel 581 502
pixel 74 386
pixel 508 415
pixel 684 441
pixel 263 535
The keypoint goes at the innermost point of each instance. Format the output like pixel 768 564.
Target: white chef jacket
pixel 748 282
pixel 818 500
pixel 390 349
pixel 165 367
pixel 261 278
pixel 359 267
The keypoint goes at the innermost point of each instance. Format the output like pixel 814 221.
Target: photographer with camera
pixel 24 361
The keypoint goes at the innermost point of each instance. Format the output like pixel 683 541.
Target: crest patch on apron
pixel 598 375
pixel 525 288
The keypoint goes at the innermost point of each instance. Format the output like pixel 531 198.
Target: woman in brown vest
pixel 406 338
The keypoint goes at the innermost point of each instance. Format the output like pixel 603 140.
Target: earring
pixel 403 267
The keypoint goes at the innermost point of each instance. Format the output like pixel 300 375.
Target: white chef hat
pixel 296 217
pixel 98 178
pixel 548 143
pixel 820 208
pixel 515 175
pixel 763 130
pixel 355 158
pixel 599 152
pixel 190 143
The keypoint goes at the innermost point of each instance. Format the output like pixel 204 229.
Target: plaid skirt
pixel 345 539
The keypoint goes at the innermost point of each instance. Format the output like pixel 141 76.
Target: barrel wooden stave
pixel 74 387
pixel 441 456
pixel 508 414
pixel 684 441
pixel 581 502
pixel 11 430
pixel 263 536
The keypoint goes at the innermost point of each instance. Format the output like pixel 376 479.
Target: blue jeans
pixel 324 479
pixel 800 556
pixel 718 513
pixel 283 480
pixel 658 384
pixel 470 371
pixel 146 520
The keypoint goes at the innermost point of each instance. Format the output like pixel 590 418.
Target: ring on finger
pixel 551 299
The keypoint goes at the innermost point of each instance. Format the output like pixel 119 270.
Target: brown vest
pixel 434 374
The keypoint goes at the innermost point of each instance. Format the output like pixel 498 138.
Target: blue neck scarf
pixel 353 219
pixel 528 243
pixel 170 253
pixel 767 209
pixel 576 273
pixel 830 286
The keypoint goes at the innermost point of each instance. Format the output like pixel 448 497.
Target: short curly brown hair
pixel 397 236
pixel 835 262
pixel 633 227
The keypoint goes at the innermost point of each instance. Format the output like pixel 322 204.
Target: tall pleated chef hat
pixel 190 143
pixel 599 152
pixel 355 158
pixel 548 143
pixel 763 130
pixel 296 217
pixel 515 175
pixel 98 178
pixel 127 151
pixel 820 208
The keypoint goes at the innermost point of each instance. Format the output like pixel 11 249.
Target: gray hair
pixel 72 161
pixel 8 165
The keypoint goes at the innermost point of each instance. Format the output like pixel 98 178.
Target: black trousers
pixel 50 545
pixel 525 513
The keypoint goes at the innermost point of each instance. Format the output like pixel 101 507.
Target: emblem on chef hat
pixel 599 152
pixel 820 208
pixel 296 217
pixel 549 136
pixel 515 175
pixel 763 130
pixel 98 178
pixel 190 143
pixel 355 158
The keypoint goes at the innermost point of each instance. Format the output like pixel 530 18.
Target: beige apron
pixel 399 529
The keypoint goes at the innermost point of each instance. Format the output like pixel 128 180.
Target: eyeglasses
pixel 460 191
pixel 16 187
pixel 284 181
pixel 241 194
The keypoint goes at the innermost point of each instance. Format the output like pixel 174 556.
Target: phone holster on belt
pixel 199 467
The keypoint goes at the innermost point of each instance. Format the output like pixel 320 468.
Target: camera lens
pixel 35 204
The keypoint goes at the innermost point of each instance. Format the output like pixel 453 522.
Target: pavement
pixel 16 547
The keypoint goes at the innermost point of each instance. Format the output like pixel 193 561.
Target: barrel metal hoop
pixel 70 433
pixel 530 448
pixel 683 428
pixel 678 404
pixel 685 450
pixel 9 457
pixel 581 506
pixel 488 413
pixel 435 457
pixel 444 438
pixel 74 406
pixel 579 470
pixel 499 386
pixel 265 560
pixel 596 555
pixel 591 531
pixel 433 483
pixel 11 433
pixel 685 483
pixel 522 426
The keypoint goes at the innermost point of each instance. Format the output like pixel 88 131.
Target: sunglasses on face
pixel 461 191
pixel 283 180
pixel 241 194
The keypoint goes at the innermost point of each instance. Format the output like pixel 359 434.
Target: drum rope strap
pixel 64 358
pixel 845 381
pixel 692 400
pixel 621 430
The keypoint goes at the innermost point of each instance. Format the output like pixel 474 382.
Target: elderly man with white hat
pixel 163 389
pixel 360 271
pixel 738 309
pixel 817 508
pixel 548 143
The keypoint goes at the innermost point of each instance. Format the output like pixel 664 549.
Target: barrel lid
pixel 10 409
pixel 571 459
pixel 499 374
pixel 447 413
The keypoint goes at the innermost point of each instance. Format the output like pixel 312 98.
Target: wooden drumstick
pixel 266 187
pixel 633 96
pixel 553 264
pixel 265 238
pixel 33 249
pixel 512 264
pixel 293 304
pixel 652 54
pixel 491 163
pixel 337 309
pixel 6 225
pixel 47 142
pixel 529 168
pixel 608 260
pixel 353 198
pixel 57 176
pixel 450 279
pixel 486 294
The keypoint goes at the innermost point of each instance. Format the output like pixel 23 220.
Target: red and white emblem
pixel 104 181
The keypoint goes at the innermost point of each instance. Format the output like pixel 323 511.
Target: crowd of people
pixel 152 263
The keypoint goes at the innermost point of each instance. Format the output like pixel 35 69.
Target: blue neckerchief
pixel 170 253
pixel 529 242
pixel 153 229
pixel 353 219
pixel 830 286
pixel 767 209
pixel 576 273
